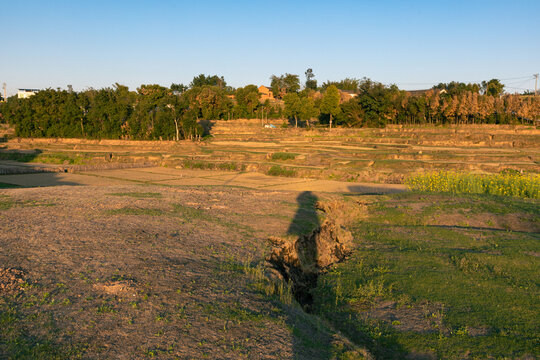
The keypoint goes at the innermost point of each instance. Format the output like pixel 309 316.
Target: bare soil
pixel 142 271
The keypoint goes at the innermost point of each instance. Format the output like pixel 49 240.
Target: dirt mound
pixel 117 288
pixel 11 280
pixel 301 261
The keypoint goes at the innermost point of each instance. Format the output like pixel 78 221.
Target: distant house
pixel 266 93
pixel 26 93
pixel 347 95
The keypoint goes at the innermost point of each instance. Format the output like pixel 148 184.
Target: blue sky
pixel 410 43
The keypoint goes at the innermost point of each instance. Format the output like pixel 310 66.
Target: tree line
pixel 155 112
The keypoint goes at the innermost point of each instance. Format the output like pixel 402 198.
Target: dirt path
pixel 185 177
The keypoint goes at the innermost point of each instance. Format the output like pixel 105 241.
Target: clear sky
pixel 414 44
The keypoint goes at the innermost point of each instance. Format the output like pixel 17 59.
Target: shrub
pixel 277 170
pixel 283 156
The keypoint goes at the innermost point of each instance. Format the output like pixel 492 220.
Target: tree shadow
pixel 22 156
pixel 31 180
pixel 375 189
pixel 18 170
pixel 207 126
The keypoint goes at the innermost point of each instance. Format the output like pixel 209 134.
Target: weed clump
pixel 277 170
pixel 283 156
pixel 203 165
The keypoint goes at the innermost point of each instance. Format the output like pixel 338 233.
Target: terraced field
pixel 267 244
pixel 365 155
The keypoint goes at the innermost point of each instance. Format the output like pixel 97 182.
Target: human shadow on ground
pixel 306 218
pixel 326 329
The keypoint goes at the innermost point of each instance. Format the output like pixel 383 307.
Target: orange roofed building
pixel 266 93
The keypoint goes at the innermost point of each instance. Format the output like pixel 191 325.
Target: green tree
pixel 293 107
pixel 330 102
pixel 284 84
pixel 208 102
pixel 203 80
pixel 492 87
pixel 179 88
pixel 308 110
pixel 247 99
pixel 347 84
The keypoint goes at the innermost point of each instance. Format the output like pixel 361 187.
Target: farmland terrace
pixel 165 250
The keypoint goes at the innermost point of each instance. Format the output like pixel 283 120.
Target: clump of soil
pixel 11 280
pixel 302 260
pixel 117 288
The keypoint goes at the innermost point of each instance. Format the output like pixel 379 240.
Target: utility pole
pixel 4 85
pixel 535 84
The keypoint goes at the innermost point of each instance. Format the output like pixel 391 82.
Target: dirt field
pixel 186 177
pixel 386 155
pixel 132 271
pixel 129 250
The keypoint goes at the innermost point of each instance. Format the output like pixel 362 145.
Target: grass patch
pixel 455 293
pixel 504 184
pixel 204 165
pixel 135 211
pixel 18 343
pixel 138 195
pixel 280 290
pixel 277 170
pixel 7 203
pixel 284 156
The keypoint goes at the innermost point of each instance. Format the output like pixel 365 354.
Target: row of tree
pixel 151 112
pixel 157 112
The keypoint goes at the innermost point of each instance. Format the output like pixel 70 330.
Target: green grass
pixel 6 203
pixel 475 292
pixel 204 165
pixel 283 156
pixel 277 170
pixel 504 184
pixel 136 211
pixel 18 343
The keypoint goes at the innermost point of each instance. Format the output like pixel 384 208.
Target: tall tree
pixel 214 80
pixel 284 84
pixel 293 107
pixel 179 88
pixel 347 84
pixel 247 98
pixel 492 87
pixel 330 102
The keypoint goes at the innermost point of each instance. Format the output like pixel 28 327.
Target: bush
pixel 283 156
pixel 277 170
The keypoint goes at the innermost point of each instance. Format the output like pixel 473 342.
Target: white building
pixel 26 93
